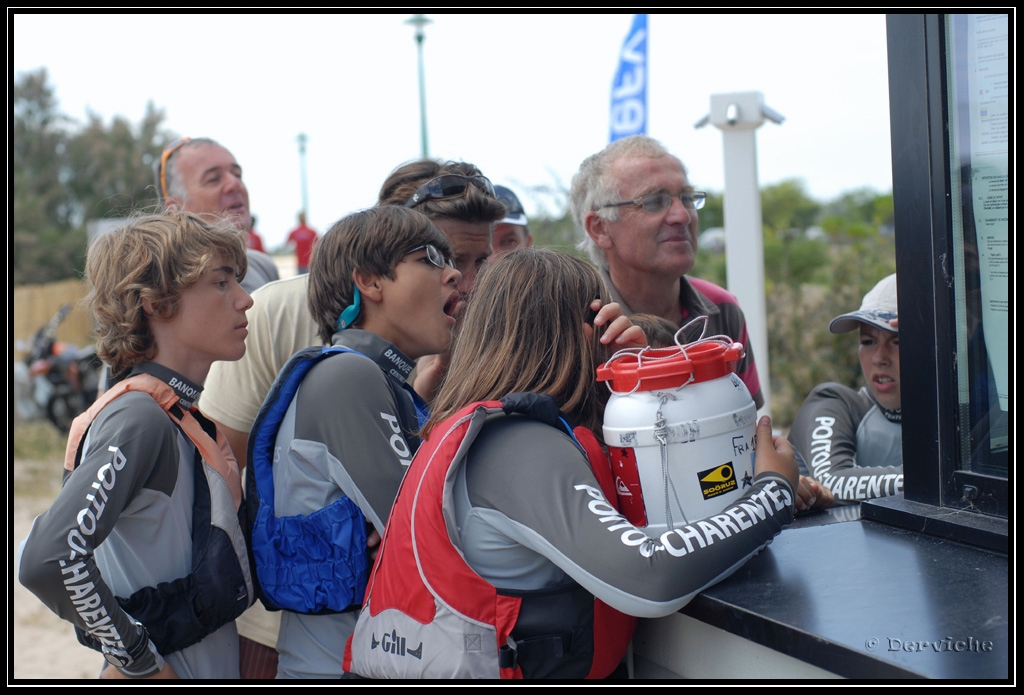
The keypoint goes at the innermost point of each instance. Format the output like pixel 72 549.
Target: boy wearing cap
pixel 512 232
pixel 852 440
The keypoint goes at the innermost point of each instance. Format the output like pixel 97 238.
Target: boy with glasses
pixel 280 324
pixel 637 213
pixel 381 286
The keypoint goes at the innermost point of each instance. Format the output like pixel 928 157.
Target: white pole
pixel 738 115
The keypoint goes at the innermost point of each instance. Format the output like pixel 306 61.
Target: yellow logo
pixel 717 481
pixel 719 475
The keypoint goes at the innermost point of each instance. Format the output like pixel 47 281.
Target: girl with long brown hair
pixel 504 555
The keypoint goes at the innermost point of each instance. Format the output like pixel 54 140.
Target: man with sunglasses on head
pixel 637 212
pixel 460 200
pixel 455 195
pixel 199 175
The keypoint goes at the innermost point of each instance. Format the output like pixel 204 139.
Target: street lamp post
pixel 302 173
pixel 419 21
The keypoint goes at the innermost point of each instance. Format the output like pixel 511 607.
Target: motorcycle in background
pixel 57 380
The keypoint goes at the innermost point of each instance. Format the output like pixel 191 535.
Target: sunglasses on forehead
pixel 449 186
pixel 167 154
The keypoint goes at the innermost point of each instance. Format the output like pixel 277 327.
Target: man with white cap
pixel 852 440
pixel 513 231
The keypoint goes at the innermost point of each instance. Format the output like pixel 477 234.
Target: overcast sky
pixel 524 97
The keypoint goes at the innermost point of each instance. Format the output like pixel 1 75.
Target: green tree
pixel 713 213
pixel 786 212
pixel 859 224
pixel 787 208
pixel 110 167
pixel 862 205
pixel 556 233
pixel 790 258
pixel 64 174
pixel 44 249
pixel 552 226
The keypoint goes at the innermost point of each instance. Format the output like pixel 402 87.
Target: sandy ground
pixel 44 645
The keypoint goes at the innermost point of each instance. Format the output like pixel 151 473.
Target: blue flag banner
pixel 629 88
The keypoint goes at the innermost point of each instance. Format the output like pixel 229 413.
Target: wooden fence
pixel 34 305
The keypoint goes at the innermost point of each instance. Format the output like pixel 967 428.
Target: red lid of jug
pixel 651 369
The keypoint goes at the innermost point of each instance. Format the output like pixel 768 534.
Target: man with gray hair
pixel 637 213
pixel 199 175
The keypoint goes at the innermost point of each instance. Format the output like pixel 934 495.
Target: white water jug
pixel 680 428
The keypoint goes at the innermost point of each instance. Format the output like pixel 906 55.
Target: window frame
pixel 934 484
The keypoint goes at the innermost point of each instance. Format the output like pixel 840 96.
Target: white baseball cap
pixel 516 214
pixel 877 309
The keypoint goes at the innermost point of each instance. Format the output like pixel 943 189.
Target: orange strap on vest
pixel 216 453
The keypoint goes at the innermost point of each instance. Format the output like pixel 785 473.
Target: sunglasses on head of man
pixel 448 186
pixel 167 154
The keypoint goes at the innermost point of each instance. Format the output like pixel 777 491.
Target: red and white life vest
pixel 429 615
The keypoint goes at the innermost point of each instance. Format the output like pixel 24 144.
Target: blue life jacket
pixel 310 564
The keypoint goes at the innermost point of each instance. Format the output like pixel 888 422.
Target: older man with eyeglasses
pixel 637 213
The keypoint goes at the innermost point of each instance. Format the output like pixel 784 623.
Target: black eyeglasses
pixel 435 256
pixel 449 186
pixel 656 202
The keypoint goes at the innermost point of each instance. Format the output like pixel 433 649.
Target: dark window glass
pixel 977 69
